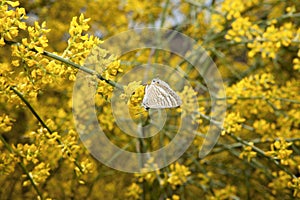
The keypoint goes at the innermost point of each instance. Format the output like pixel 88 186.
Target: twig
pixel 256 149
pixel 67 61
pixel 262 153
pixel 23 167
pixel 20 95
pixel 82 68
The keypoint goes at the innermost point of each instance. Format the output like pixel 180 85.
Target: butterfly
pixel 160 95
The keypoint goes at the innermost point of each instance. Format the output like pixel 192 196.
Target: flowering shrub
pixel 255 45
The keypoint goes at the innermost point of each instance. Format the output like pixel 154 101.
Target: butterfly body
pixel 160 95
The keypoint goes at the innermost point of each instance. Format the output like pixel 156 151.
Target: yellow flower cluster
pixel 280 182
pixel 106 118
pixel 28 152
pixel 269 43
pixel 10 21
pixel 265 129
pixel 112 70
pixel 80 43
pixel 134 93
pixel 248 153
pixel 296 61
pixel 217 21
pixel 39 174
pixel 134 191
pixel 229 192
pixel 232 123
pixel 234 9
pixel 144 11
pixel 179 175
pixel 189 102
pixel 70 144
pixel 31 47
pixel 5 68
pixel 265 41
pixel 86 166
pixel 28 56
pixel 5 123
pixel 257 85
pixel 252 91
pixel 8 163
pixel 242 30
pixel 47 145
pixel 147 176
pixel 129 90
pixel 205 178
pixel 109 72
pixel 52 150
pixel 279 150
pixel 295 184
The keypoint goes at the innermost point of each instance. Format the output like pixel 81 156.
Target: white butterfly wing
pixel 159 95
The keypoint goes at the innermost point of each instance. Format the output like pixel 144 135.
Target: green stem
pixel 23 167
pixel 20 95
pixel 30 108
pixel 84 69
pixel 256 149
pixel 254 141
pixel 163 18
pixel 262 153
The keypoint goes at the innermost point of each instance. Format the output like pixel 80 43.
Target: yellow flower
pixel 5 123
pixel 130 89
pixel 134 191
pixel 279 182
pixel 295 184
pixel 137 112
pixel 144 11
pixel 150 177
pixel 234 9
pixel 296 62
pixel 264 128
pixel 217 21
pixel 248 153
pixel 11 21
pixel 271 40
pixel 179 175
pixel 8 162
pixel 189 102
pixel 232 123
pixel 279 151
pixel 86 166
pixel 242 30
pixel 229 192
pixel 39 174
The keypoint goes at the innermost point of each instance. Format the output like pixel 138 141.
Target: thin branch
pixel 262 153
pixel 82 68
pixel 23 167
pixel 67 61
pixel 20 95
pixel 256 149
